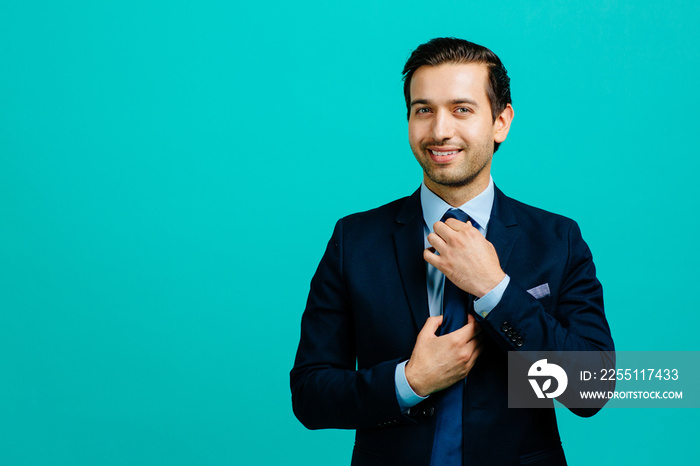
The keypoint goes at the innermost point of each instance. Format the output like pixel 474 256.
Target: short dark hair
pixel 452 50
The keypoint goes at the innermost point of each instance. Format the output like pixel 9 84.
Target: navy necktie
pixel 447 444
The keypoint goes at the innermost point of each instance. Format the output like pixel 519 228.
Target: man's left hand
pixel 466 258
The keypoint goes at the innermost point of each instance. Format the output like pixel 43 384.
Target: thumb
pixel 431 326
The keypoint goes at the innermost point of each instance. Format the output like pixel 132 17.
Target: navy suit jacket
pixel 368 301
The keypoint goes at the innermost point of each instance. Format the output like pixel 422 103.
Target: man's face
pixel 450 127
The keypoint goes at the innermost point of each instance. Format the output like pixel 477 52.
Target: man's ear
pixel 502 124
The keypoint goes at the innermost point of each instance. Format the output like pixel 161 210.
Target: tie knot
pixel 456 213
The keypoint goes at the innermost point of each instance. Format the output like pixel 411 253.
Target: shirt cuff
pixel 404 393
pixel 486 303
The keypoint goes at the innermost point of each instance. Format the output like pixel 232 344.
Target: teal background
pixel 171 171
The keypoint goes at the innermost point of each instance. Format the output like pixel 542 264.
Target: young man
pixel 415 304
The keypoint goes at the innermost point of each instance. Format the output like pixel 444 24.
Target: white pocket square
pixel 539 292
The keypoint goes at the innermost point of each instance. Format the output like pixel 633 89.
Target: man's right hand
pixel 437 362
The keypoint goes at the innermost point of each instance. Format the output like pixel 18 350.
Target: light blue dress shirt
pixel 434 208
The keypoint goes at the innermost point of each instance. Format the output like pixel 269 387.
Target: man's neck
pixel 458 195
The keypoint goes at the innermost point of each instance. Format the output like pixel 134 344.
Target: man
pixel 376 353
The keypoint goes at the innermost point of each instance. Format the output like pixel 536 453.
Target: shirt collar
pixel 478 208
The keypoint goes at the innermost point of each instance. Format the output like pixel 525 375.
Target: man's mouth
pixel 443 152
pixel 443 155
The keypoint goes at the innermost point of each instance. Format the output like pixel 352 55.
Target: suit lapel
pixel 502 231
pixel 408 241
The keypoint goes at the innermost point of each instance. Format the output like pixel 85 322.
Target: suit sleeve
pixel 328 391
pixel 575 322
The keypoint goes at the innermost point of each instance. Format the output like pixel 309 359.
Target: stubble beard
pixel 453 177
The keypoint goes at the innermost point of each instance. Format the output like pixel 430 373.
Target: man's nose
pixel 443 126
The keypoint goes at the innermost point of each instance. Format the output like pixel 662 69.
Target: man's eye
pixel 423 110
pixel 463 110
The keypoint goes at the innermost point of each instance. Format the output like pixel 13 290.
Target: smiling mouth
pixel 442 153
pixel 443 156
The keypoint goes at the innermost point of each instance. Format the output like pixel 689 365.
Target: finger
pixel 436 241
pixel 473 325
pixel 475 355
pixel 468 225
pixel 455 224
pixel 432 258
pixel 463 334
pixel 432 324
pixel 467 228
pixel 471 320
pixel 443 230
pixel 469 331
pixel 473 344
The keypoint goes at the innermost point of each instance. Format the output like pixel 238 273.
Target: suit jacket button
pixel 429 411
pixel 505 326
pixel 519 342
